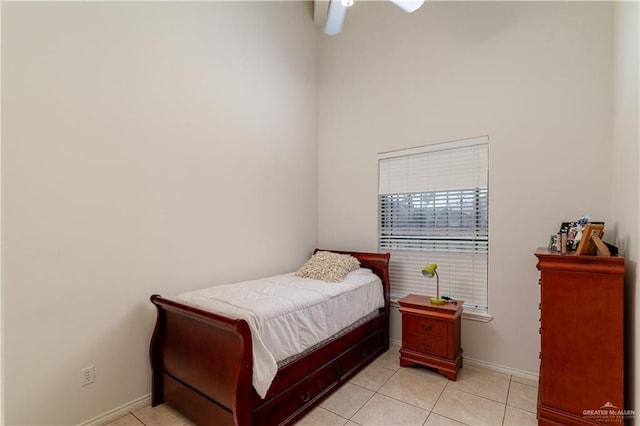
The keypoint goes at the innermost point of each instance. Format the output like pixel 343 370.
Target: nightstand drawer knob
pixel 426 327
pixel 425 346
pixel 305 397
pixel 365 352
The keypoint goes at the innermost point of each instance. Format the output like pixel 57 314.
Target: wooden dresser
pixel 431 334
pixel 582 339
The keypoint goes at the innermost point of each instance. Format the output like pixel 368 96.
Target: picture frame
pixel 572 229
pixel 589 245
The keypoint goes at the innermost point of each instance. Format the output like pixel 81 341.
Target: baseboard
pixel 501 369
pixel 121 411
pixel 396 344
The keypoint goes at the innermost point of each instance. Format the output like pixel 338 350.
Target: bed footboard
pixel 201 364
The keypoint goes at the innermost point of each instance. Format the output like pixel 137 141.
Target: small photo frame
pixel 553 243
pixel 572 229
pixel 587 244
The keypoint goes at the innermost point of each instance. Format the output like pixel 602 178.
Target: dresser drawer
pixel 421 342
pixel 297 396
pixel 429 326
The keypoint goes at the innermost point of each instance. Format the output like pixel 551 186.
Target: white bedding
pixel 288 314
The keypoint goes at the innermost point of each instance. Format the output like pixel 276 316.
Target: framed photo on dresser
pixel 589 244
pixel 572 229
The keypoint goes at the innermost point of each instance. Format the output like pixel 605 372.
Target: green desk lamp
pixel 429 271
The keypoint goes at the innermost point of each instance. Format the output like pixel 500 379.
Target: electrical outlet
pixel 87 375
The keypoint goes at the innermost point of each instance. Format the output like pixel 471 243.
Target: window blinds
pixel 433 208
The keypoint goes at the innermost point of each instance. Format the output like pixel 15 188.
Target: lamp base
pixel 437 301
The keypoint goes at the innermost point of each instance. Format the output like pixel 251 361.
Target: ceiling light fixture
pixel 338 10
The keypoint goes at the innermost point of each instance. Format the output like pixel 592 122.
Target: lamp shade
pixel 429 271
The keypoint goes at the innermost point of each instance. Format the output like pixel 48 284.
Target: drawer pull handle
pixel 365 352
pixel 305 397
pixel 426 327
pixel 425 346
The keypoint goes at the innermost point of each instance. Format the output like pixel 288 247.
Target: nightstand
pixel 431 334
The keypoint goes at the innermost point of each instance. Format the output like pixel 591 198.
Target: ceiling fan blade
pixel 408 5
pixel 335 17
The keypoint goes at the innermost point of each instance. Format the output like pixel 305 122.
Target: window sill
pixel 468 314
pixel 474 315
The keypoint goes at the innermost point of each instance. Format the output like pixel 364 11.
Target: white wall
pixel 625 187
pixel 146 147
pixel 536 77
pixel 1 221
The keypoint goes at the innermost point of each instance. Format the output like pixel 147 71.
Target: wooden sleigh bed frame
pixel 202 363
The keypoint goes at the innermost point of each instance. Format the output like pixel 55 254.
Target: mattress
pixel 288 314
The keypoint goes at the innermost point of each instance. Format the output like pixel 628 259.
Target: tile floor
pixel 385 394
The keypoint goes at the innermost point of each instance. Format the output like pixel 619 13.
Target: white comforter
pixel 288 314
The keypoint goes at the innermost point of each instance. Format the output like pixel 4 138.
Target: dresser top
pixel 595 263
pixel 543 251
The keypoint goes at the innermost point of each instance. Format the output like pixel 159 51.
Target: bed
pixel 202 362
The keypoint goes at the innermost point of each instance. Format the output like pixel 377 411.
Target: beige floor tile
pixel 438 420
pixel 390 359
pixel 382 410
pixel 427 373
pixel 413 389
pixel 477 382
pixel 517 417
pixel 405 396
pixel 347 400
pixel 161 415
pixel 321 417
pixel 523 396
pixel 372 377
pixel 468 408
pixel 128 420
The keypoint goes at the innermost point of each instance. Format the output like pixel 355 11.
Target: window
pixel 433 208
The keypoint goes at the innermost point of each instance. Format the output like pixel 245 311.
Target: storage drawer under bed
pixel 359 353
pixel 294 399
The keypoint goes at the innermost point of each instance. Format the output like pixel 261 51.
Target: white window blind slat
pixel 457 273
pixel 433 171
pixel 433 208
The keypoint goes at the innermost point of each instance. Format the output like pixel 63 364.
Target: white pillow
pixel 328 266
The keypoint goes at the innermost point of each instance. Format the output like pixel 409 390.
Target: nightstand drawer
pixel 420 342
pixel 432 327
